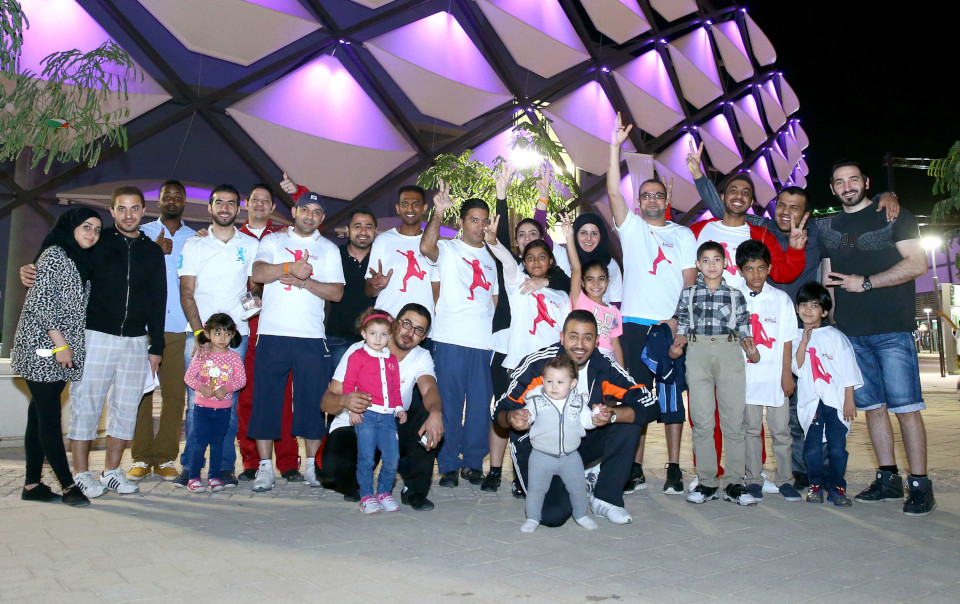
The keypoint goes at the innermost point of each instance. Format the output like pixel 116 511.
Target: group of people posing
pixel 399 348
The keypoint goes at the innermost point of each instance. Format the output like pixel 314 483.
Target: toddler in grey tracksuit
pixel 559 418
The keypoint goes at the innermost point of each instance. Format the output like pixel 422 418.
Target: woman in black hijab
pixel 48 348
pixel 593 243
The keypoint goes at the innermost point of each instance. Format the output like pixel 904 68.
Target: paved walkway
pixel 298 544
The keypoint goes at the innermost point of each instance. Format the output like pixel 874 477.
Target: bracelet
pixel 544 200
pixel 197 333
pixel 286 268
pixel 61 349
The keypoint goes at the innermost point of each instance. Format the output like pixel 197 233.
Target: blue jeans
pixel 891 373
pixel 826 420
pixel 209 428
pixel 378 431
pixel 229 439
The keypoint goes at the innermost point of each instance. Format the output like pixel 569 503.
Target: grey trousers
pixel 778 422
pixel 540 472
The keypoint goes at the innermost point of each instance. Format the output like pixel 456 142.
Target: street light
pixel 932 243
pixel 929 326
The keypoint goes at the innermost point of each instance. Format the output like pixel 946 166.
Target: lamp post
pixel 929 326
pixel 931 243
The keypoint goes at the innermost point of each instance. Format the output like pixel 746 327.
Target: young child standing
pixel 374 370
pixel 773 323
pixel 559 418
pixel 713 318
pixel 588 284
pixel 215 376
pixel 827 374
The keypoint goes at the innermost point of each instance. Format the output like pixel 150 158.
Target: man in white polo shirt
pixel 300 270
pixel 214 274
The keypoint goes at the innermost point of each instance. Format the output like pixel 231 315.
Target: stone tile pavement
pixel 298 544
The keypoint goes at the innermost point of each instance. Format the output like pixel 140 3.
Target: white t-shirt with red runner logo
pixel 468 283
pixel 773 324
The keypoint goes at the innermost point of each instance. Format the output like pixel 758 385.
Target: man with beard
pixel 155 453
pixel 215 272
pixel 870 265
pixel 419 437
pixel 659 260
pixel 300 271
pixel 260 206
pixel 621 408
pixel 354 255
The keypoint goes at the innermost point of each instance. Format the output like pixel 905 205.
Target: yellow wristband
pixel 61 349
pixel 197 333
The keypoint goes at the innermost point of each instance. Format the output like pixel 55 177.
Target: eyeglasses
pixel 408 324
pixel 649 196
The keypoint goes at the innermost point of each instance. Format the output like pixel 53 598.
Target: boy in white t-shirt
pixel 773 324
pixel 827 374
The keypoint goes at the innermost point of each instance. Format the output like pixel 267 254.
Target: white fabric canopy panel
pixel 583 121
pixel 671 10
pixel 321 126
pixel 799 178
pixel 799 134
pixel 619 20
pixel 792 148
pixel 771 106
pixel 646 87
pixel 720 144
pixel 222 28
pixel 439 68
pixel 537 34
pixel 696 69
pixel 802 166
pixel 764 191
pixel 788 98
pixel 781 165
pixel 748 118
pixel 671 163
pixel 762 47
pixel 732 50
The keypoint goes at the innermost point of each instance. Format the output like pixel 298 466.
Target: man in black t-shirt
pixel 871 264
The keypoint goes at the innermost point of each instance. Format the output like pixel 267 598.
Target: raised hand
pixel 377 278
pixel 669 187
pixel 619 133
pixel 289 187
pixel 490 231
pixel 503 179
pixel 693 159
pixel 441 199
pixel 798 235
pixel 543 183
pixel 566 227
pixel 165 244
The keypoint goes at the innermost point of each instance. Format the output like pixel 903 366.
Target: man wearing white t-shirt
pixel 399 272
pixel 419 436
pixel 300 270
pixel 462 336
pixel 659 260
pixel 214 273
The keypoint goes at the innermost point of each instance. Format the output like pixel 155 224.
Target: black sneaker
pixel 887 487
pixel 738 493
pixel 181 481
pixel 637 481
pixel 702 494
pixel 229 479
pixel 41 492
pixel 920 500
pixel 472 476
pixel 838 497
pixel 293 475
pixel 517 491
pixel 416 501
pixel 449 479
pixel 674 483
pixel 491 482
pixel 800 480
pixel 248 474
pixel 75 498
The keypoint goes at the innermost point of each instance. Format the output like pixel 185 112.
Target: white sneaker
pixel 387 502
pixel 116 480
pixel 590 475
pixel 263 481
pixel 310 476
pixel 89 485
pixel 529 526
pixel 586 522
pixel 613 513
pixel 769 487
pixel 369 505
pixel 693 484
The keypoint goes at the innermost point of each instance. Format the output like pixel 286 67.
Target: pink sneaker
pixel 387 502
pixel 195 485
pixel 216 485
pixel 369 505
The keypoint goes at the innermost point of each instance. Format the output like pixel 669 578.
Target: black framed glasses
pixel 408 324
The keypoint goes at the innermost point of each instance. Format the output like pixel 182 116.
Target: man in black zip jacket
pixel 128 293
pixel 624 407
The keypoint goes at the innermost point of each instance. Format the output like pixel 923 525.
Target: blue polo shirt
pixel 176 320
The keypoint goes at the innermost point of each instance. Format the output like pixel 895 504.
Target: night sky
pixel 870 81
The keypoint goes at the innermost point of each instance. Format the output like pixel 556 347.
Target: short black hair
pixel 710 246
pixel 125 190
pixel 419 309
pixel 750 250
pixel 173 182
pixel 366 211
pixel 845 163
pixel 471 204
pixel 794 190
pixel 580 316
pixel 224 189
pixel 651 181
pixel 814 292
pixel 265 187
pixel 595 263
pixel 740 176
pixel 412 189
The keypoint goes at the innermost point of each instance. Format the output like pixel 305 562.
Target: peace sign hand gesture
pixel 798 235
pixel 693 160
pixel 490 231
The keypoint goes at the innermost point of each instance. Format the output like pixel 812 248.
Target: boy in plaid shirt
pixel 714 319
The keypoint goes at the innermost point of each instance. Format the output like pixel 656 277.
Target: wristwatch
pixel 613 418
pixel 867 286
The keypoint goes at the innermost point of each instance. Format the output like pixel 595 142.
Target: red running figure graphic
pixel 478 279
pixel 816 367
pixel 760 337
pixel 661 257
pixel 413 268
pixel 542 314
pixel 731 267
